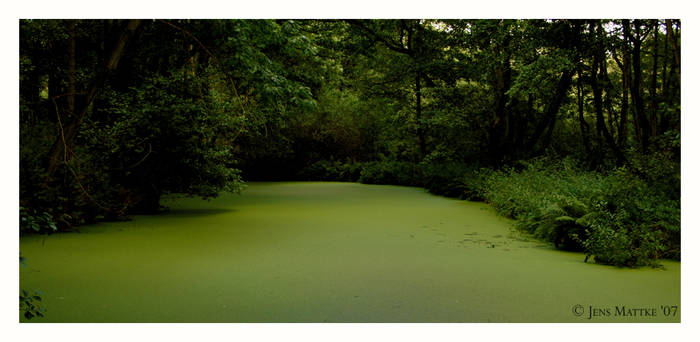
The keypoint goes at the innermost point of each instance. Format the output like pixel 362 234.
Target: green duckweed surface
pixel 330 252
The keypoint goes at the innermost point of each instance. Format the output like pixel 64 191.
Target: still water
pixel 331 252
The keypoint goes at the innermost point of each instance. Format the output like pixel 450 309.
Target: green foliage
pixel 34 222
pixel 391 172
pixel 376 172
pixel 447 179
pixel 156 126
pixel 325 170
pixel 173 122
pixel 30 304
pixel 455 180
pixel 618 218
pixel 540 77
pixel 635 222
pixel 195 106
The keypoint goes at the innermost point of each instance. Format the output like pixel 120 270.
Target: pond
pixel 331 252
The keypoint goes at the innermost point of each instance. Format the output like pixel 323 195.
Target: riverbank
pixel 629 216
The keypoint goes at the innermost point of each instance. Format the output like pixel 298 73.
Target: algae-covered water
pixel 331 252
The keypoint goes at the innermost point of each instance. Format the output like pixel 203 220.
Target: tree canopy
pixel 114 114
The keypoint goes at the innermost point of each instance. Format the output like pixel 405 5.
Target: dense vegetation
pixel 571 127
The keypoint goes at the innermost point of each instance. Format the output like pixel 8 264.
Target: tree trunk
pixel 637 99
pixel 582 121
pixel 421 138
pixel 70 97
pixel 413 51
pixel 664 64
pixel 674 43
pixel 624 110
pixel 550 115
pixel 64 144
pixel 607 99
pixel 597 67
pixel 652 87
pixel 667 78
pixel 496 132
pixel 553 108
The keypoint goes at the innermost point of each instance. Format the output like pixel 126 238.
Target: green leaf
pixel 585 219
pixel 564 220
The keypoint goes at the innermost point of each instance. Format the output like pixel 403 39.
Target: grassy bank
pixel 624 217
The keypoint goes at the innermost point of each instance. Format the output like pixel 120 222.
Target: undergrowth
pixel 625 217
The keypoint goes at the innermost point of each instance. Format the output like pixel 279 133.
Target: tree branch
pixel 370 32
pixel 216 60
pixel 64 144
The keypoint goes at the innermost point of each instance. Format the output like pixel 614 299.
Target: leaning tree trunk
pixel 63 146
pixel 550 116
pixel 553 108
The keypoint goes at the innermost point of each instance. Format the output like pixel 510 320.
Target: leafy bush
pixel 391 172
pixel 446 179
pixel 618 218
pixel 29 303
pixel 455 180
pixel 327 170
pixel 634 222
pixel 31 221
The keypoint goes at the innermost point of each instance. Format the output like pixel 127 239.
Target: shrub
pixel 447 179
pixel 326 170
pixel 455 180
pixel 30 303
pixel 623 218
pixel 320 170
pixel 633 222
pixel 31 221
pixel 391 172
pixel 619 218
